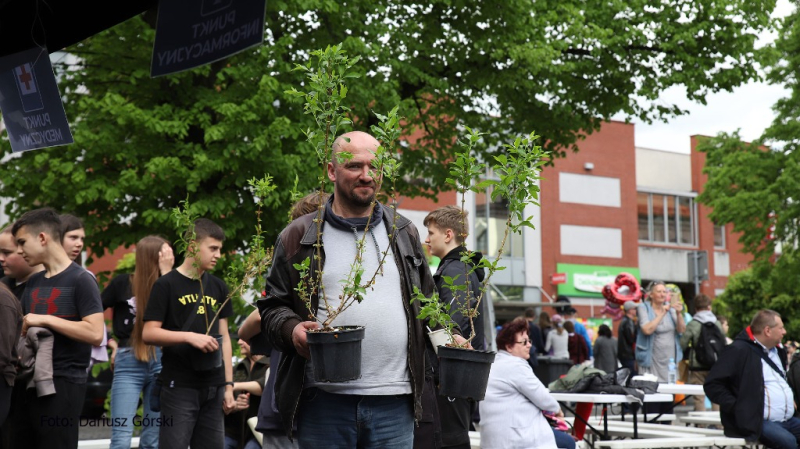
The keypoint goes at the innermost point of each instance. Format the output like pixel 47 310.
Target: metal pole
pixel 696 256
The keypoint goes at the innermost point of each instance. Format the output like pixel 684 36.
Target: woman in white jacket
pixel 511 412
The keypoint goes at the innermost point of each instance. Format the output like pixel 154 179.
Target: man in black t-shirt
pixel 63 298
pixel 195 388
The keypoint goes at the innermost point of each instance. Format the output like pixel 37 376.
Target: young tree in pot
pixel 335 349
pixel 464 372
pixel 244 271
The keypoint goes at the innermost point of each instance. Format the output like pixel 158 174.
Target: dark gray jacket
pixel 282 309
pixel 10 330
pixel 36 361
pixel 452 266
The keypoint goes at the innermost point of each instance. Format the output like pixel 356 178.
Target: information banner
pixel 31 104
pixel 192 33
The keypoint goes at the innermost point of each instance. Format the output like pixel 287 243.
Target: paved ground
pixel 96 429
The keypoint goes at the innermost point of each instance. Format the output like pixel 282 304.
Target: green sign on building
pixel 589 280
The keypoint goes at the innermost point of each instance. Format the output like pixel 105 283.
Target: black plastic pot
pixel 204 361
pixel 336 355
pixel 464 373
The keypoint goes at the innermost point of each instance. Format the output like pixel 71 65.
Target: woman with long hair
pixel 136 365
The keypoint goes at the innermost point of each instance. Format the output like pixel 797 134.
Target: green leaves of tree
pixel 561 68
pixel 756 189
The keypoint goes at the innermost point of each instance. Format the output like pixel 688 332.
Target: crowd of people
pixel 657 333
pixel 170 343
pixel 57 307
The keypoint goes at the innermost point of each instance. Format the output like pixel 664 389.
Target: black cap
pixel 562 304
pixel 570 311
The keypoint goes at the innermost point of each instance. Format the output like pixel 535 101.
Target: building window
pixel 719 236
pixel 490 224
pixel 507 292
pixel 686 220
pixel 643 209
pixel 666 218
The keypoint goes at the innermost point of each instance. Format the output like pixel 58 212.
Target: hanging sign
pixel 29 99
pixel 193 33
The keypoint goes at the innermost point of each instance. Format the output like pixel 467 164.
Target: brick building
pixel 609 208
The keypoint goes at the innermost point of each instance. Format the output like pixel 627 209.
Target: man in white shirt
pixel 756 357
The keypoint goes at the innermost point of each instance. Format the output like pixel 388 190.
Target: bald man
pixel 380 408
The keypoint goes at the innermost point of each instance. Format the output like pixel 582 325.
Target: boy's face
pixel 73 243
pixel 32 247
pixel 13 264
pixel 438 240
pixel 208 251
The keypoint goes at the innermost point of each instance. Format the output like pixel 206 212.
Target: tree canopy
pixel 559 68
pixel 756 188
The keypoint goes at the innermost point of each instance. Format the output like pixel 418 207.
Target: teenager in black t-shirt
pixel 64 299
pixel 177 317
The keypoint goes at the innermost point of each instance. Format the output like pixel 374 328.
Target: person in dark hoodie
pixel 793 377
pixel 749 384
pixel 447 230
pixel 690 340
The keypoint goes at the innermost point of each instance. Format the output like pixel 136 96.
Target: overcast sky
pixel 748 108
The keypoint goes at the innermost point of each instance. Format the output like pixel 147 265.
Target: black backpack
pixel 709 345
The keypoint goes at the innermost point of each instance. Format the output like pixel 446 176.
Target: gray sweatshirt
pixel 384 350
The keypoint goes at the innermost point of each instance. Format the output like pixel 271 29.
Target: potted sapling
pixel 243 272
pixel 464 372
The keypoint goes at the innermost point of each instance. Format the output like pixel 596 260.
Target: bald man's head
pixel 354 140
pixel 353 176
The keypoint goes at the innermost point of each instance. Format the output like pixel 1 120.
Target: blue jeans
pixel 781 435
pixel 332 421
pixel 563 440
pixel 131 378
pixel 252 443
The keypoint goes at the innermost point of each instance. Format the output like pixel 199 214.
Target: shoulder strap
pixel 768 360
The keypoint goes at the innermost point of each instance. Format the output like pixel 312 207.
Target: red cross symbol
pixel 25 77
